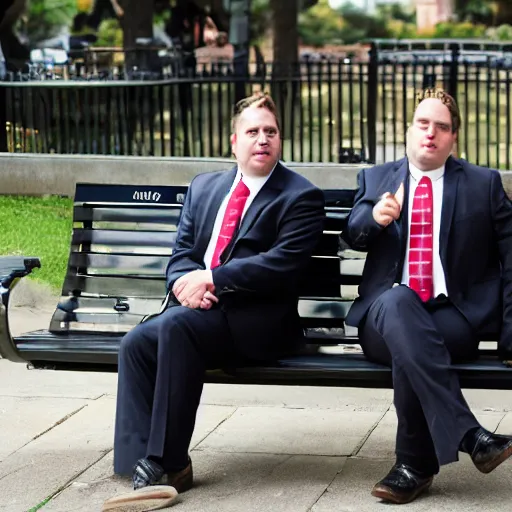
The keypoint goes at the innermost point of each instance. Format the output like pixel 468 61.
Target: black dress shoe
pixel 490 450
pixel 402 484
pixel 146 472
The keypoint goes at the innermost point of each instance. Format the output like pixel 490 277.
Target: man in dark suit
pixel 243 240
pixel 438 274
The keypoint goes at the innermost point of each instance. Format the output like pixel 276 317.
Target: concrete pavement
pixel 297 449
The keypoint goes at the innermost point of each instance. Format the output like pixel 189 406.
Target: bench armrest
pixel 12 269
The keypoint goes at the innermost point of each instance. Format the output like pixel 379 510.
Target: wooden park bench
pixel 121 242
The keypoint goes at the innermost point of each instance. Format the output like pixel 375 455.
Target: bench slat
pixel 125 263
pixel 115 286
pixel 141 239
pixel 146 215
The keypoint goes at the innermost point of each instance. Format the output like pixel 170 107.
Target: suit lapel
pixel 266 195
pixel 450 185
pixel 213 200
pixel 399 176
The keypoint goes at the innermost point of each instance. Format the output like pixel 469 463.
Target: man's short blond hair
pixel 258 100
pixel 446 99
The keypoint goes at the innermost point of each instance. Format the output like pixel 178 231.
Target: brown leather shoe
pixel 402 484
pixel 182 480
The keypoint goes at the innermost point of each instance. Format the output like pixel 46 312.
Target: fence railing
pixel 331 111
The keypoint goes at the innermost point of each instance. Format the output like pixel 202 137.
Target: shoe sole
pixel 387 494
pixel 487 467
pixel 154 497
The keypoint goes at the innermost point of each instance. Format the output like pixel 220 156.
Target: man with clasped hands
pixel 244 238
pixel 438 274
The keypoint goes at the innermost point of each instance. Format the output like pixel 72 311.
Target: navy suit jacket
pixel 475 243
pixel 257 282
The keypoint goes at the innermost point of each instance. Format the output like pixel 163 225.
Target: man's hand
pixel 208 300
pixel 389 207
pixel 191 289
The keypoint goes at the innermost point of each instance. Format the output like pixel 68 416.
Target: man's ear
pixel 232 139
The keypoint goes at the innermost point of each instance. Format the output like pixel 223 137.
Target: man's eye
pixel 252 132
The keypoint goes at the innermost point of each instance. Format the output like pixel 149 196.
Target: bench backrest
pixel 123 236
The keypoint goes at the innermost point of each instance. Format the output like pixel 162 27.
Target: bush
pixel 501 33
pixel 46 18
pixel 402 30
pixel 463 30
pixel 109 34
pixel 319 25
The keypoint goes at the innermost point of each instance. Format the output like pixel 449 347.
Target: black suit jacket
pixel 475 243
pixel 257 283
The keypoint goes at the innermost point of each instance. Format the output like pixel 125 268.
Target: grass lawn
pixel 38 226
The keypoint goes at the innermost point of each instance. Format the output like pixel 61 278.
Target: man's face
pixel 430 138
pixel 256 143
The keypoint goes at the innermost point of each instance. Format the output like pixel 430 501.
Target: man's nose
pixel 431 131
pixel 262 138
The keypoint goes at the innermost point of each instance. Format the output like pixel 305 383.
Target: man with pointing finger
pixel 437 277
pixel 244 238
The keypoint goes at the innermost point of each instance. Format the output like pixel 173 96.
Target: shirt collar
pixel 434 175
pixel 254 183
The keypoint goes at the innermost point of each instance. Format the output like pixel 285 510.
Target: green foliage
pixel 260 20
pixel 38 226
pixel 399 29
pixel 320 25
pixel 476 11
pixel 501 33
pixel 45 18
pixel 109 33
pixel 358 25
pixel 396 12
pixel 463 30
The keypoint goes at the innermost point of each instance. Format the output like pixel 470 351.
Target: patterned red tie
pixel 421 241
pixel 231 220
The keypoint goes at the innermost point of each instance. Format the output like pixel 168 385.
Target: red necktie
pixel 421 241
pixel 231 220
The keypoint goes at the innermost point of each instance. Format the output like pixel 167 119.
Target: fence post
pixel 371 106
pixel 454 70
pixel 3 119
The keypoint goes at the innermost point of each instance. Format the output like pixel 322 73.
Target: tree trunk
pixel 137 23
pixel 504 12
pixel 285 91
pixel 286 35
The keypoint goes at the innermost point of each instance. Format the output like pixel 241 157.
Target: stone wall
pixel 57 174
pixel 26 174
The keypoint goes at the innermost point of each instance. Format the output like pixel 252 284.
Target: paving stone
pixel 43 466
pixel 381 442
pixel 17 380
pixel 458 488
pixel 22 419
pixel 225 482
pixel 291 431
pixel 298 397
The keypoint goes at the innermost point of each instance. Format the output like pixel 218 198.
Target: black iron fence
pixel 331 110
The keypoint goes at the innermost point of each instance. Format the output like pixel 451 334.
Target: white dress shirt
pixel 254 184
pixel 437 177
